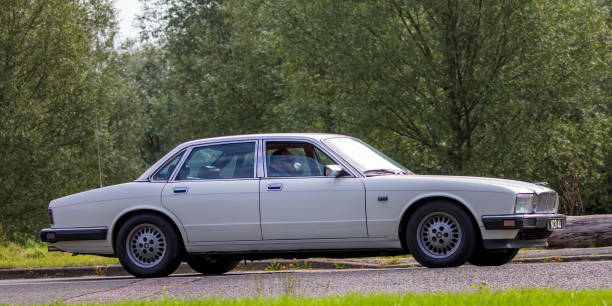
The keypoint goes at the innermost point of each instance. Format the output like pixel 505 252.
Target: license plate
pixel 554 224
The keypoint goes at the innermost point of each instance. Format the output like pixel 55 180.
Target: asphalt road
pixel 567 275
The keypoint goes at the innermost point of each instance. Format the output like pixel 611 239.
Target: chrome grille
pixel 546 202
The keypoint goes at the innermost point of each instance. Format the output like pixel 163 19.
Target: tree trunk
pixel 583 232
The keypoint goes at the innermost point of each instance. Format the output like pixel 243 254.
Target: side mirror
pixel 334 170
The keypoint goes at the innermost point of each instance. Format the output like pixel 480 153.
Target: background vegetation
pixel 32 253
pixel 513 89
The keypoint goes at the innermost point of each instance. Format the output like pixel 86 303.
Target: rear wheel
pixel 211 266
pixel 484 257
pixel 440 234
pixel 148 246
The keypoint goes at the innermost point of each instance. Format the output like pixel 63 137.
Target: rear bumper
pixel 73 234
pixel 534 229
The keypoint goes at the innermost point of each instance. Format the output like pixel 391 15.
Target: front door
pixel 215 193
pixel 298 201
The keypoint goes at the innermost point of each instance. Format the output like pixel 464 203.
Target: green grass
pixel 33 254
pixel 482 296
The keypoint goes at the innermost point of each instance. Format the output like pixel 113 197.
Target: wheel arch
pixel 424 200
pixel 124 216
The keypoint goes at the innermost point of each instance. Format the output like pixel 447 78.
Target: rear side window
pixel 164 173
pixel 224 161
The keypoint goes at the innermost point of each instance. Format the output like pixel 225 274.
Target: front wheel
pixel 148 246
pixel 211 266
pixel 441 234
pixel 484 257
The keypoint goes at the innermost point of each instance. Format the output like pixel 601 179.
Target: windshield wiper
pixel 373 172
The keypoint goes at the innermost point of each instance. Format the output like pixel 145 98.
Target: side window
pixel 291 159
pixel 323 158
pixel 224 161
pixel 164 173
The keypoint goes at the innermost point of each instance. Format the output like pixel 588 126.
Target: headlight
pixel 525 203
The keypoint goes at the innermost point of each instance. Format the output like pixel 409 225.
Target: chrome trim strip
pixel 180 164
pixel 260 159
pixel 219 179
pixel 191 148
pixel 294 245
pixel 150 178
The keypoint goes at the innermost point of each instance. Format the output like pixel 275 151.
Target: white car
pixel 213 202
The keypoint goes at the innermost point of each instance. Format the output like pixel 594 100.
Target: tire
pixel 441 234
pixel 148 246
pixel 211 266
pixel 484 257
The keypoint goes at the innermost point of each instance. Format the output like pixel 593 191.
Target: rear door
pixel 215 193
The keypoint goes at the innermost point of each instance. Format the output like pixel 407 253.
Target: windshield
pixel 363 156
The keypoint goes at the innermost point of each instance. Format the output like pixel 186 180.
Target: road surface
pixel 566 275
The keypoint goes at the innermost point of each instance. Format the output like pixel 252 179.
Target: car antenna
pixel 99 158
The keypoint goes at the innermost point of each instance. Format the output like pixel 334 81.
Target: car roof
pixel 313 136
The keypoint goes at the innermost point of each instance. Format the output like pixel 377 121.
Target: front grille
pixel 546 202
pixel 533 234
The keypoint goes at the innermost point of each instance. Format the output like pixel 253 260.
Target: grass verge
pixel 34 254
pixel 482 296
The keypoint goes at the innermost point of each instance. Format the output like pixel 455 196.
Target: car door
pixel 300 202
pixel 215 193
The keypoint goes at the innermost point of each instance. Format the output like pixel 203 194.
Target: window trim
pixel 191 148
pixel 347 167
pixel 150 178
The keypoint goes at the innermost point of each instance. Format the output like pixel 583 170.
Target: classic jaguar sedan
pixel 213 202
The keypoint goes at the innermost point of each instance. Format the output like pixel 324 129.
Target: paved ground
pixel 574 275
pixel 524 256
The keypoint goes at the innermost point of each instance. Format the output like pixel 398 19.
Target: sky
pixel 127 11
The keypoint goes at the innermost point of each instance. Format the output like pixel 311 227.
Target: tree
pixel 219 73
pixel 463 87
pixel 59 91
pixel 508 88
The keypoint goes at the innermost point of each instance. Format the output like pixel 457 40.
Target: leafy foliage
pixel 514 89
pixel 59 90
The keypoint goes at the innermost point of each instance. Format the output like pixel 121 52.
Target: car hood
pixel 454 183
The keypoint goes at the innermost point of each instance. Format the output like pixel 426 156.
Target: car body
pixel 215 201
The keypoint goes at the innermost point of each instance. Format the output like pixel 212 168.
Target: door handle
pixel 180 189
pixel 275 187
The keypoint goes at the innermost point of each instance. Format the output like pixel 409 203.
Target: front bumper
pixel 534 229
pixel 522 221
pixel 73 234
